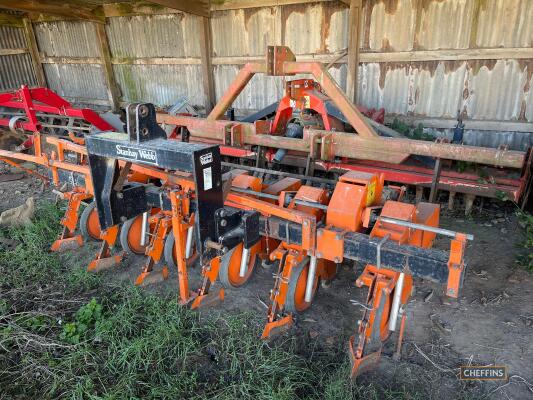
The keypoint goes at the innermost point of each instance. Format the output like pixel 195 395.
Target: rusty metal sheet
pixel 245 32
pixel 16 70
pixel 444 24
pixel 260 92
pixel 77 80
pixel 390 25
pixel 505 23
pixel 167 35
pixel 11 38
pixel 485 89
pixel 162 85
pixel 67 39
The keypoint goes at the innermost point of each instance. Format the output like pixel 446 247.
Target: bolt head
pixel 120 196
pixel 123 219
pixel 223 222
pixel 337 260
pixel 143 111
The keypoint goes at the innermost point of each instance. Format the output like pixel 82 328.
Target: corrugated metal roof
pixel 160 84
pixel 67 39
pixel 77 80
pixel 447 24
pixel 528 108
pixel 171 35
pixel 497 90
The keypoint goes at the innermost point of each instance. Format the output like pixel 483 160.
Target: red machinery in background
pixel 336 137
pixel 314 128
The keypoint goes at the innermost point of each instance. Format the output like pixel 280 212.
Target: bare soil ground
pixel 491 322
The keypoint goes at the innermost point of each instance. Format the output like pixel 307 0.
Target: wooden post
pixel 113 91
pixel 31 42
pixel 207 67
pixel 354 28
pixel 435 182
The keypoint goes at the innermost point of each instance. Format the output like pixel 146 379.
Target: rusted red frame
pixel 326 145
pixel 33 101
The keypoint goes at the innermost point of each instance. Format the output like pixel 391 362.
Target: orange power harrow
pixel 169 201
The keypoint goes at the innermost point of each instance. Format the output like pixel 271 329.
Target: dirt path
pixel 491 323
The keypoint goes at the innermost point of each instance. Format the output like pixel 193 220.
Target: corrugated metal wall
pixel 71 39
pixel 485 89
pixel 157 36
pixel 157 57
pixel 15 69
pixel 308 29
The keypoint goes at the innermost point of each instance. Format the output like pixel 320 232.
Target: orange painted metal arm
pixel 308 221
pixel 236 87
pixel 330 87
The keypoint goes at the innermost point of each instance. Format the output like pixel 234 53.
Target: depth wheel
pixel 230 266
pixel 169 251
pixel 380 325
pixel 130 236
pixel 89 223
pixel 295 301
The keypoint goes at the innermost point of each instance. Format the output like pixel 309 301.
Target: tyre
pixel 295 301
pixel 230 266
pixel 130 236
pixel 89 223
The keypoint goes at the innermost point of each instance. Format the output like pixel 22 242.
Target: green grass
pixel 65 333
pixel 525 260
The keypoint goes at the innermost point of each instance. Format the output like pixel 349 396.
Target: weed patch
pixel 525 220
pixel 65 333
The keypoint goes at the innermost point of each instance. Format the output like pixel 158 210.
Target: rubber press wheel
pixel 89 223
pixel 380 326
pixel 130 236
pixel 295 301
pixel 230 266
pixel 169 250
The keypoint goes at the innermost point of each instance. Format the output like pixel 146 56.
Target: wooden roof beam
pixel 16 21
pixel 200 7
pixel 218 5
pixel 55 7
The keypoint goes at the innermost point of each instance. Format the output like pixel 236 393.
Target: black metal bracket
pixel 141 123
pixel 235 226
pixel 146 143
